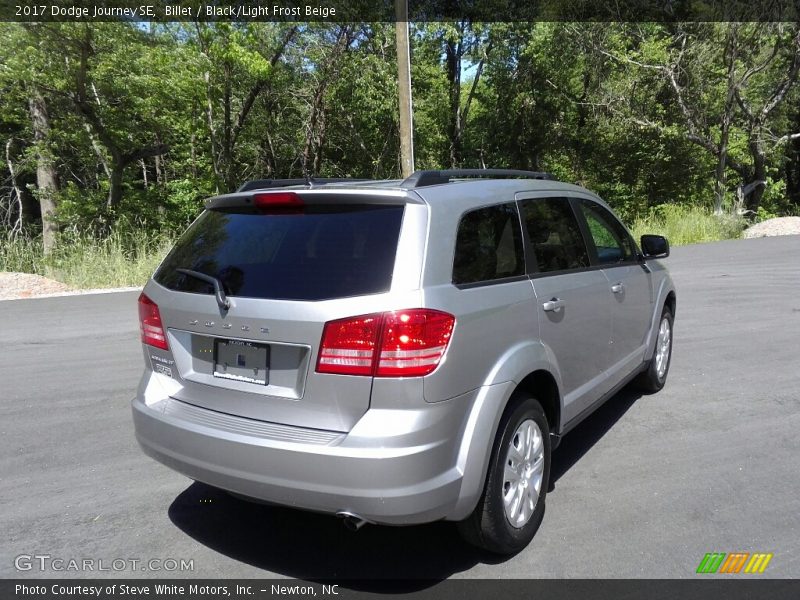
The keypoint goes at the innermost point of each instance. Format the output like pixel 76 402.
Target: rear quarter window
pixel 488 245
pixel 323 252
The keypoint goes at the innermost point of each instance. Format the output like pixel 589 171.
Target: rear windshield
pixel 323 252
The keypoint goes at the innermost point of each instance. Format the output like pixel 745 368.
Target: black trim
pixel 531 264
pixel 588 240
pixel 577 419
pixel 425 178
pixel 540 274
pixel 478 284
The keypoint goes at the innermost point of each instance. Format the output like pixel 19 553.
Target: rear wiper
pixel 222 299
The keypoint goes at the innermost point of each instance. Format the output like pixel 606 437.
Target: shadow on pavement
pixel 311 546
pixel 580 440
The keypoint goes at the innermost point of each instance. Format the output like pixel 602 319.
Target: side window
pixel 554 234
pixel 612 242
pixel 488 245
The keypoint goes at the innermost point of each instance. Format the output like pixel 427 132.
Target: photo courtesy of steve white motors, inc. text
pixel 170 589
pixel 170 11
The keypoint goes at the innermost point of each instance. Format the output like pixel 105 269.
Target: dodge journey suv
pixel 397 352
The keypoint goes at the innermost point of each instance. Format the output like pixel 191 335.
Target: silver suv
pixel 397 352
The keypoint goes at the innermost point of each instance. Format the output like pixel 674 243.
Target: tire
pixel 654 377
pixel 489 526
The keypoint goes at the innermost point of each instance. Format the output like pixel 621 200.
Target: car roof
pixel 457 193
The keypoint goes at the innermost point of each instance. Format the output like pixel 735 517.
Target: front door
pixel 630 290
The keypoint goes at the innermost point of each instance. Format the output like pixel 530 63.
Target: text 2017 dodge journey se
pixel 397 352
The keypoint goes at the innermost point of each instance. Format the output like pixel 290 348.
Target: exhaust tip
pixel 351 521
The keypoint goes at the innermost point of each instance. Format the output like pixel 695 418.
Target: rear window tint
pixel 488 245
pixel 324 252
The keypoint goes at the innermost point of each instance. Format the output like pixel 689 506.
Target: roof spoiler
pixel 264 184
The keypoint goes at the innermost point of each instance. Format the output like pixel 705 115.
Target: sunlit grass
pixel 688 225
pixel 84 262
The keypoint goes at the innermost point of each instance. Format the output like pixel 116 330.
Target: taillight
pixel 348 345
pixel 402 343
pixel 413 342
pixel 278 200
pixel 150 323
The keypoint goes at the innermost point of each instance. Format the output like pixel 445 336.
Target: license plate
pixel 241 361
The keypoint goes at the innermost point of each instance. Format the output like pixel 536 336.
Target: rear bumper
pixel 394 467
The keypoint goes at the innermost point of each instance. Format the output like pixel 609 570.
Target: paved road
pixel 644 488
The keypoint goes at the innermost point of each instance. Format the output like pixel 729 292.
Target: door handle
pixel 553 305
pixel 617 288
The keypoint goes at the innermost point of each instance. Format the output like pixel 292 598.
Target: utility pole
pixel 404 87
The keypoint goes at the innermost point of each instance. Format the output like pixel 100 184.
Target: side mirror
pixel 655 246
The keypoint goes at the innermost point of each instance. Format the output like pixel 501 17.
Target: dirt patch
pixel 26 285
pixel 770 227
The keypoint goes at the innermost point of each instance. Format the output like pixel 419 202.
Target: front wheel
pixel 512 505
pixel 654 378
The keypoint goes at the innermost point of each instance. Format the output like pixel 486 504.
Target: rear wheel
pixel 512 505
pixel 654 378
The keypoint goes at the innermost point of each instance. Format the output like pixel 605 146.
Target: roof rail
pixel 262 184
pixel 425 178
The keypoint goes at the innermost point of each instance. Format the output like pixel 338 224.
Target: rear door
pixel 572 300
pixel 630 286
pixel 287 272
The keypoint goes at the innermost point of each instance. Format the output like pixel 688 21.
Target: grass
pixel 128 259
pixel 83 262
pixel 683 225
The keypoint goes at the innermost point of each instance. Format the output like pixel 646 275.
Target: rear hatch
pixel 287 267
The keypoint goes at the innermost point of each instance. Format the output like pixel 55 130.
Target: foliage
pixel 148 120
pixel 683 225
pixel 86 261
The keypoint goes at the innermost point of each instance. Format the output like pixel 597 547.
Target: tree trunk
pixel 309 147
pixel 160 180
pixel 227 140
pixel 725 121
pixel 315 129
pixel 115 184
pixel 453 53
pixel 753 200
pixel 121 161
pixel 46 175
pixel 16 191
pixel 268 154
pixel 403 90
pixel 793 164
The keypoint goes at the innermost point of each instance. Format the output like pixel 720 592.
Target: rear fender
pixel 484 418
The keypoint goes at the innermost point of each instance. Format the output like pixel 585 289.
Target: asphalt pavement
pixel 644 488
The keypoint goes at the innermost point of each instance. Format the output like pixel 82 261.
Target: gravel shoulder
pixel 772 227
pixel 27 285
pixel 17 286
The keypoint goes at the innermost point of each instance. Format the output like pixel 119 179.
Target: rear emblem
pixel 209 323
